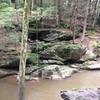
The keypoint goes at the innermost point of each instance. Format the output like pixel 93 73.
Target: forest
pixel 49 46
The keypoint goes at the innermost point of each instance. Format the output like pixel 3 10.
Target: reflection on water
pixel 46 89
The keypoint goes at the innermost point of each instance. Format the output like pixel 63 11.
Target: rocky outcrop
pixel 9 58
pixel 49 35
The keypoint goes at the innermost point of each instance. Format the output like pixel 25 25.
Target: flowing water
pixel 47 89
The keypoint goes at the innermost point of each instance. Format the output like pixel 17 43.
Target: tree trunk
pixel 10 2
pixel 85 20
pixel 59 12
pixel 23 55
pixel 73 17
pixel 95 13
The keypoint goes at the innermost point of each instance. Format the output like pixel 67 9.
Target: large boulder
pixel 56 72
pixel 70 52
pixel 63 52
pixel 89 55
pixel 86 94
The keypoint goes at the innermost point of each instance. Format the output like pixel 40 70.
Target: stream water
pixel 47 89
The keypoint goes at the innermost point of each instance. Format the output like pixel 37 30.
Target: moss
pixel 73 46
pixel 40 46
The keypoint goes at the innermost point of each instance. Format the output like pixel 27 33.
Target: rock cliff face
pixel 8 49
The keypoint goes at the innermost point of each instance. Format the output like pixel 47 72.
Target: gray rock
pixel 56 72
pixel 86 94
pixel 4 73
pixel 95 66
pixel 89 55
pixel 62 53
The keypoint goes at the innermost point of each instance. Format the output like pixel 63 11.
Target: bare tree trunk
pixel 23 55
pixel 95 13
pixel 73 17
pixel 85 20
pixel 59 12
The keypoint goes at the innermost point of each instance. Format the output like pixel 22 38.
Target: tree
pixel 59 15
pixel 95 13
pixel 23 55
pixel 73 16
pixel 85 19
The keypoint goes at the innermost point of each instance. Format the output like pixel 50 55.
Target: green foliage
pixel 5 1
pixel 46 10
pixel 3 5
pixel 40 46
pixel 6 14
pixel 34 59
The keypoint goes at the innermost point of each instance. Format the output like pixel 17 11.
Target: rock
pixel 75 66
pixel 56 77
pixel 56 72
pixel 52 62
pixel 95 66
pixel 63 52
pixel 70 52
pixel 86 94
pixel 49 35
pixel 4 73
pixel 89 55
pixel 8 48
pixel 9 58
pixel 28 78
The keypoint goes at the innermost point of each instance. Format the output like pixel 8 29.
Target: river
pixel 47 89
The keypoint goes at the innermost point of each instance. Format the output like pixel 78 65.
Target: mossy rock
pixel 64 52
pixel 70 52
